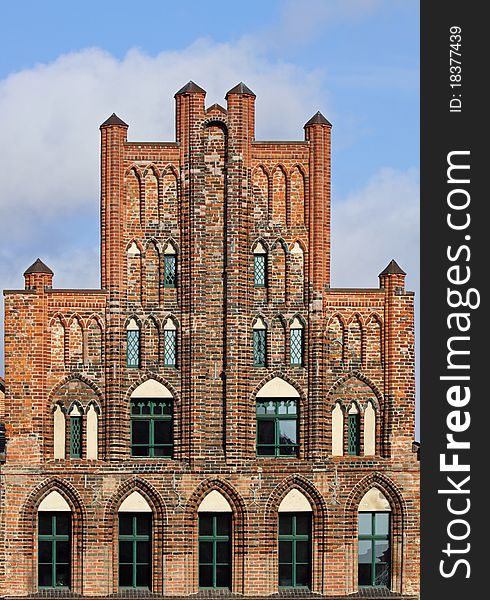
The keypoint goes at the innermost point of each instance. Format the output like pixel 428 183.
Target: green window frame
pixel 214 550
pixel 296 347
pixel 135 550
pixel 170 347
pixel 76 426
pixel 133 348
pixel 277 427
pixel 353 434
pixel 260 270
pixel 54 550
pixel 260 347
pixel 152 427
pixel 294 542
pixel 169 270
pixel 374 549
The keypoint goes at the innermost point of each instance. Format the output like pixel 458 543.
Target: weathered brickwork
pixel 182 223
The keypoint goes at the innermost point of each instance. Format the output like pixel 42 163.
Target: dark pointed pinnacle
pixel 393 268
pixel 317 119
pixel 38 267
pixel 114 120
pixel 190 88
pixel 240 89
pixel 216 106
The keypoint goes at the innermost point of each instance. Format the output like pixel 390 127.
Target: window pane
pixel 133 348
pixel 143 576
pixel 125 524
pixel 365 551
pixel 288 451
pixel 365 523
pixel 63 520
pixel 222 524
pixel 382 575
pixel 45 575
pixel 222 576
pixel 287 431
pixel 206 576
pixel 381 523
pixel 265 432
pixel 169 347
pixel 62 575
pixel 140 451
pixel 223 552
pixel 259 347
pixel 143 524
pixel 259 270
pixel 303 575
pixel 45 523
pixel 271 408
pixel 140 432
pixel 125 575
pixel 365 563
pixel 266 450
pixel 205 524
pixel 285 552
pixel 75 437
pixel 260 408
pixel 63 552
pixel 125 552
pixel 143 552
pixel 382 552
pixel 303 552
pixel 353 435
pixel 286 575
pixel 205 552
pixel 170 270
pixel 163 432
pixel 285 524
pixel 296 348
pixel 45 552
pixel 303 521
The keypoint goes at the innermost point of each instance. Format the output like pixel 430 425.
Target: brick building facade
pixel 216 416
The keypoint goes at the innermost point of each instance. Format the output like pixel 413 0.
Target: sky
pixel 66 66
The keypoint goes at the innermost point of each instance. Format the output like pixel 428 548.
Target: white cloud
pixel 375 224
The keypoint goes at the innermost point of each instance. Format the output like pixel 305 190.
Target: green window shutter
pixel 277 427
pixel 260 347
pixel 260 270
pixel 296 347
pixel 214 550
pixel 152 427
pixel 135 550
pixel 54 549
pixel 169 270
pixel 76 436
pixel 133 348
pixel 374 549
pixel 295 550
pixel 353 435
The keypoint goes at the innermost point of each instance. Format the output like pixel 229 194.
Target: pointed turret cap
pixel 241 89
pixel 38 267
pixel 318 119
pixel 114 120
pixel 190 88
pixel 393 268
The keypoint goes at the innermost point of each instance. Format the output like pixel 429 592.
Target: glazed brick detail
pixel 207 200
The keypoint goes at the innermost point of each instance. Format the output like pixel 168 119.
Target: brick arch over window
pixel 355 388
pixel 319 528
pixel 239 531
pixel 399 512
pixel 27 529
pixel 159 546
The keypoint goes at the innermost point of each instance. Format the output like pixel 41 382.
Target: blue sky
pixel 66 66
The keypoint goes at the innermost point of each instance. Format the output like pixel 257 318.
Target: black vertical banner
pixel 455 265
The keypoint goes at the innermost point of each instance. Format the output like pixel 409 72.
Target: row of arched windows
pixel 76 341
pixel 135 531
pixel 151 197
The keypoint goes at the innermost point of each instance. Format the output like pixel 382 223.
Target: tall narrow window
pixel 151 427
pixel 169 343
pixel 353 431
pixel 214 550
pixel 133 345
pixel 75 432
pixel 259 343
pixel 296 343
pixel 277 427
pixel 294 549
pixel 260 265
pixel 135 550
pixel 374 554
pixel 54 549
pixel 169 267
